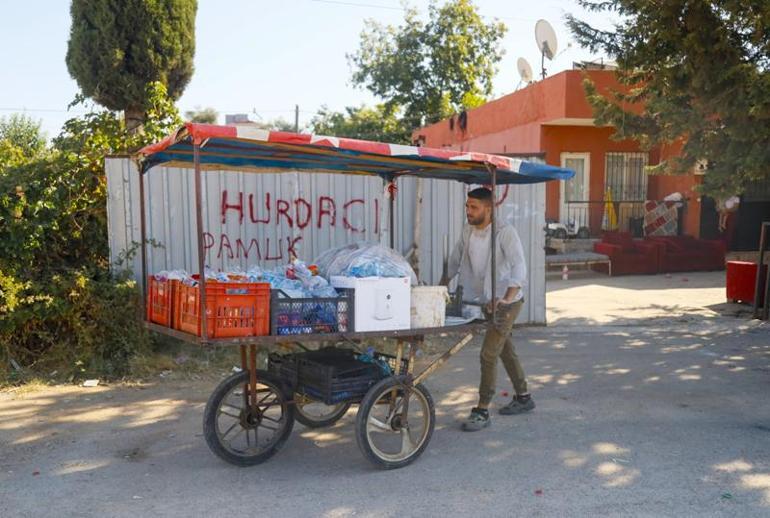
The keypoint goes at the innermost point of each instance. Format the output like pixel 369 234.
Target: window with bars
pixel 625 176
pixel 626 179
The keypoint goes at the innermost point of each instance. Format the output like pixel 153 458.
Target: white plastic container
pixel 381 304
pixel 428 306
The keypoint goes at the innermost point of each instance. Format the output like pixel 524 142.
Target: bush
pixel 61 305
pixel 77 322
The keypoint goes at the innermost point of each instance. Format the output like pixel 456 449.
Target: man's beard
pixel 476 221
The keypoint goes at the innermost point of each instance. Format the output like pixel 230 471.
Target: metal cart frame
pixel 308 153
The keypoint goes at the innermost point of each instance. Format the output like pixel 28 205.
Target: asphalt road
pixel 667 416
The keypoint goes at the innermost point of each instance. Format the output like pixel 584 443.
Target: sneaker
pixel 518 405
pixel 478 420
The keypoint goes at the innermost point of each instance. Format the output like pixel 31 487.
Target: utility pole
pixel 296 118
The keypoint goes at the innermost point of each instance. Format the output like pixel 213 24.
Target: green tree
pixel 117 47
pixel 202 115
pixel 701 70
pixel 377 123
pixel 23 133
pixel 430 69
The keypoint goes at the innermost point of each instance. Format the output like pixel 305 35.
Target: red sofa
pixel 628 256
pixel 688 254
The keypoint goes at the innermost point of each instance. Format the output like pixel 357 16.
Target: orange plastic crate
pixel 161 296
pixel 232 309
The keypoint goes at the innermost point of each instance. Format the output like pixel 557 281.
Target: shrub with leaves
pixel 61 304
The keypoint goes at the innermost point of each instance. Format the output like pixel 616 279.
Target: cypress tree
pixel 117 47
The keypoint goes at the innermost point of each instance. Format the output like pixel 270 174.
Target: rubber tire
pixel 369 399
pixel 322 423
pixel 583 233
pixel 209 419
pixel 560 233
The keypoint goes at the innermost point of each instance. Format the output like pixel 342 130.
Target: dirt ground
pixel 651 394
pixel 588 299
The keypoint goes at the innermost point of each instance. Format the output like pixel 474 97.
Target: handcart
pixel 250 415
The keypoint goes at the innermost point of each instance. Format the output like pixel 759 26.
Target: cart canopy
pixel 251 149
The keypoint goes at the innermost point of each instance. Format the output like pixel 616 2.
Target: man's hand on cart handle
pixel 510 296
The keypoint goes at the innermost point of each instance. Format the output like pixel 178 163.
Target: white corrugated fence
pixel 262 218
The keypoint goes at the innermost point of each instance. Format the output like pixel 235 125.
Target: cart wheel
pixel 583 233
pixel 560 233
pixel 316 414
pixel 236 435
pixel 382 435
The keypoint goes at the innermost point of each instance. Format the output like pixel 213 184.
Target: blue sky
pixel 256 55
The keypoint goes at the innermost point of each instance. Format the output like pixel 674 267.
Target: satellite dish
pixel 546 38
pixel 525 70
pixel 546 42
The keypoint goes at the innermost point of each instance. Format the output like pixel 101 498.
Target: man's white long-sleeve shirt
pixel 470 258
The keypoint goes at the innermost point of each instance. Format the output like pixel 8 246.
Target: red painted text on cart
pixel 297 213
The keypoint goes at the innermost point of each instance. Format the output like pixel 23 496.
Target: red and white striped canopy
pixel 252 149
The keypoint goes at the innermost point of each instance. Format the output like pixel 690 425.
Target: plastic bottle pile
pixel 296 280
pixel 364 259
pixel 300 281
pixel 174 275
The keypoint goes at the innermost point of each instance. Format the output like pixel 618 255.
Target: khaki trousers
pixel 498 344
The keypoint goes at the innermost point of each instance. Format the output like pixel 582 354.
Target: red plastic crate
pixel 161 296
pixel 232 309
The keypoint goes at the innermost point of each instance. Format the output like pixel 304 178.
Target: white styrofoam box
pixel 381 304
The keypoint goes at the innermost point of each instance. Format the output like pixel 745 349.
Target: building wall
pixel 538 102
pixel 558 97
pixel 520 140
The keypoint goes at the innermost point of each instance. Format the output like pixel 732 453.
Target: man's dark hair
pixel 481 193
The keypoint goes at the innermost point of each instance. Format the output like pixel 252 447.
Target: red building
pixel 552 119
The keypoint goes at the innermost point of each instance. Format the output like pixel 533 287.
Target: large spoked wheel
pixel 239 435
pixel 316 414
pixel 385 436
